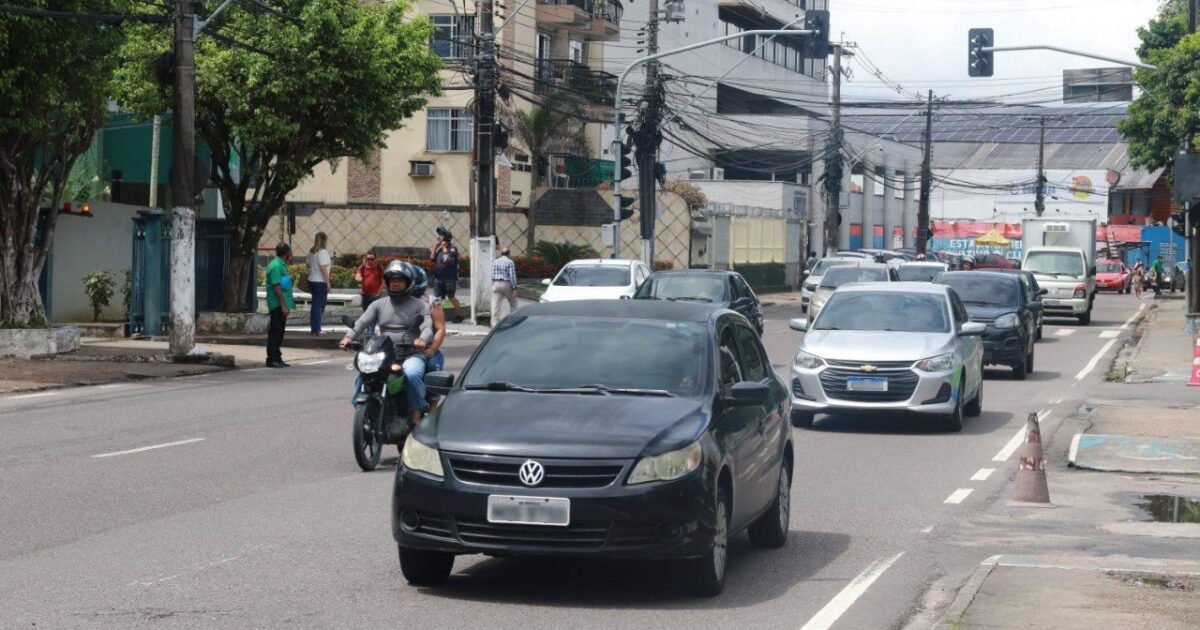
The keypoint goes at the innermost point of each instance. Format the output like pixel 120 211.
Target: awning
pixel 1137 179
pixel 993 238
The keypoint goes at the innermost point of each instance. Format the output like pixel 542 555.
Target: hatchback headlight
pixel 1007 322
pixel 421 458
pixel 808 361
pixel 667 466
pixel 940 363
pixel 369 363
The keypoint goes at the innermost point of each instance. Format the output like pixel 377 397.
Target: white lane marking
pixel 1074 448
pixel 1109 334
pixel 958 496
pixel 1091 365
pixel 983 474
pixel 28 396
pixel 1064 332
pixel 318 362
pixel 1129 321
pixel 149 448
pixel 1016 440
pixel 927 530
pixel 827 616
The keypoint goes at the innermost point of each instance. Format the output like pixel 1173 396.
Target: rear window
pixel 826 264
pixel 848 275
pixel 687 287
pixel 592 276
pixel 981 290
pixel 895 312
pixel 1108 267
pixel 918 273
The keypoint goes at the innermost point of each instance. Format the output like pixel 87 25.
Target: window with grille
pixel 447 130
pixel 453 36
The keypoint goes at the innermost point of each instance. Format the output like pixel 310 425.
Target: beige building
pixel 423 176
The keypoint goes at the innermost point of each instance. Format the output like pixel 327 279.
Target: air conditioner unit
pixel 421 169
pixel 714 172
pixel 1061 228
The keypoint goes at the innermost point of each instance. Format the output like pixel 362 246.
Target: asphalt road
pixel 252 513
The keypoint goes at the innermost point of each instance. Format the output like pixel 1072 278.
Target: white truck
pixel 1062 256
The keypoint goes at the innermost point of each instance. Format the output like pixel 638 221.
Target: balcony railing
pixel 596 86
pixel 610 10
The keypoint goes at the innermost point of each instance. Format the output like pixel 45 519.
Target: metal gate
pixel 150 295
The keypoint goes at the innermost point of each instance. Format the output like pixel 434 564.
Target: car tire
pixel 975 408
pixel 1038 335
pixel 770 531
pixel 707 573
pixel 1029 363
pixel 1086 318
pixel 425 568
pixel 1020 370
pixel 953 422
pixel 802 419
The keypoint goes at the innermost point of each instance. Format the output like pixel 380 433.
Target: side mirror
pixel 799 324
pixel 1043 292
pixel 748 394
pixel 546 282
pixel 1092 270
pixel 347 321
pixel 972 329
pixel 439 382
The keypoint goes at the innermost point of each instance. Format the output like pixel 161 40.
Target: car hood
pixel 564 425
pixel 566 294
pixel 982 313
pixel 1106 276
pixel 859 345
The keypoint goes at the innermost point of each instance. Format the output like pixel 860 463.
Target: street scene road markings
pixel 37 395
pixel 1064 332
pixel 1109 334
pixel 827 616
pixel 1129 321
pixel 927 530
pixel 149 448
pixel 983 474
pixel 1091 365
pixel 1015 441
pixel 958 496
pixel 322 362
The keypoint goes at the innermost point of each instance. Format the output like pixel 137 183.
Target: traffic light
pixel 626 208
pixel 980 62
pixel 817 44
pixel 1178 223
pixel 625 161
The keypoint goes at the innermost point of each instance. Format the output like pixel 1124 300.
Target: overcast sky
pixel 922 44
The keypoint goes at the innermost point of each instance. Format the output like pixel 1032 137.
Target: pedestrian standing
pixel 319 265
pixel 369 276
pixel 445 270
pixel 1138 279
pixel 812 260
pixel 1156 275
pixel 279 302
pixel 504 287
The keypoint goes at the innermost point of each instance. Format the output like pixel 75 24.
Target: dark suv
pixel 1001 301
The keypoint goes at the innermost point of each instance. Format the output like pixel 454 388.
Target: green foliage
pixel 557 129
pixel 559 254
pixel 99 286
pixel 763 277
pixel 330 86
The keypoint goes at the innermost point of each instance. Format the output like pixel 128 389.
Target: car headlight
pixel 808 360
pixel 667 466
pixel 811 286
pixel 369 363
pixel 419 457
pixel 1006 322
pixel 1080 292
pixel 940 363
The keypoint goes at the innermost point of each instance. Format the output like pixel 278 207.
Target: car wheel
pixel 1021 369
pixel 802 419
pixel 771 529
pixel 954 421
pixel 1086 318
pixel 425 568
pixel 975 408
pixel 1029 363
pixel 1038 335
pixel 708 571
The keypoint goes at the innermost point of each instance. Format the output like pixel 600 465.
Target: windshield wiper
pixel 687 299
pixel 501 386
pixel 980 303
pixel 619 390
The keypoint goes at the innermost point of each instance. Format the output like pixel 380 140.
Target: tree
pixel 99 286
pixel 1167 113
pixel 548 130
pixel 55 77
pixel 275 97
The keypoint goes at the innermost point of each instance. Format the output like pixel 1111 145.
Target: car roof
pixel 989 274
pixel 696 272
pixel 1048 248
pixel 894 287
pixel 923 263
pixel 871 265
pixel 607 262
pixel 626 309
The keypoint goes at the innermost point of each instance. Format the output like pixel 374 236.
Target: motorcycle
pixel 381 413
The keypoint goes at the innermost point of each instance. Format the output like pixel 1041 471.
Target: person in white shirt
pixel 319 264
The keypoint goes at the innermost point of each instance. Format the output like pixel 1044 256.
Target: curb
pixel 1118 370
pixel 966 595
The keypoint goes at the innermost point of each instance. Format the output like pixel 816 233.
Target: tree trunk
pixel 237 280
pixel 21 302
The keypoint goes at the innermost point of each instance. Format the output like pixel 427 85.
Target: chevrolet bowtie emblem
pixel 868 368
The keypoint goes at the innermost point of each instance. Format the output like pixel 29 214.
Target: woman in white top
pixel 319 264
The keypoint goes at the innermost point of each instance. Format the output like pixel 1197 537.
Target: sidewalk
pixel 1164 350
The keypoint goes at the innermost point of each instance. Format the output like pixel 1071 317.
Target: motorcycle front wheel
pixel 367 445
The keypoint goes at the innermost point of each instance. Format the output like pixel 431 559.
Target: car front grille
pixel 576 536
pixel 901 385
pixel 502 471
pixel 880 365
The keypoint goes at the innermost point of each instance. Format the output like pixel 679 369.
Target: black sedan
pixel 632 428
pixel 999 300
pixel 726 289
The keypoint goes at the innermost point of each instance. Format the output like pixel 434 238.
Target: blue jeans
pixel 414 375
pixel 320 294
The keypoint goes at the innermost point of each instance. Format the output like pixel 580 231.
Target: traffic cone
pixel 1195 380
pixel 1031 468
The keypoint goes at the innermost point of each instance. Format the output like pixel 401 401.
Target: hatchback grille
pixel 900 386
pixel 575 535
pixel 879 365
pixel 502 471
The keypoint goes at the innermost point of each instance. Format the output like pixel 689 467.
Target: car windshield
pixel 1108 267
pixel 898 312
pixel 679 286
pixel 826 263
pixel 839 276
pixel 552 352
pixel 976 289
pixel 592 276
pixel 1055 263
pixel 918 273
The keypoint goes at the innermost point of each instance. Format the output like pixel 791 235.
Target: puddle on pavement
pixel 1170 584
pixel 1168 508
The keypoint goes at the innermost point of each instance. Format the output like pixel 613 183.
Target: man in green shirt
pixel 279 303
pixel 1157 273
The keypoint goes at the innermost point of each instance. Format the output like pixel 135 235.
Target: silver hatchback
pixel 900 346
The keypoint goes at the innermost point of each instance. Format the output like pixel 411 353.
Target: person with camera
pixel 445 270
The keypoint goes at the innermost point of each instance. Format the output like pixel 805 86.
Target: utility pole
pixel 1192 244
pixel 483 243
pixel 923 231
pixel 833 159
pixel 1039 203
pixel 183 191
pixel 648 141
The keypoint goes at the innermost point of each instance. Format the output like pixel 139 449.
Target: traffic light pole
pixel 1039 202
pixel 833 160
pixel 647 150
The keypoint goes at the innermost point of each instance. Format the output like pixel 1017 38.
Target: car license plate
pixel 529 510
pixel 1051 302
pixel 866 384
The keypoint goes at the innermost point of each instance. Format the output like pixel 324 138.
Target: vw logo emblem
pixel 531 473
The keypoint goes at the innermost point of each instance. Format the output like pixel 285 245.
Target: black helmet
pixel 420 283
pixel 444 233
pixel 399 269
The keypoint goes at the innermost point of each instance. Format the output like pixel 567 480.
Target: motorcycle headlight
pixel 940 363
pixel 667 466
pixel 808 360
pixel 1007 322
pixel 421 458
pixel 369 363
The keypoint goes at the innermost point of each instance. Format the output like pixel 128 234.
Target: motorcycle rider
pixel 435 361
pixel 407 321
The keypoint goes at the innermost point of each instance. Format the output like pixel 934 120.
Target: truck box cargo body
pixel 1062 255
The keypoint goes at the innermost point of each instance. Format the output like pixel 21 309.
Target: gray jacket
pixel 397 318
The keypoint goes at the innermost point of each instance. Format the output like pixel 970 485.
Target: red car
pixel 1113 275
pixel 994 261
